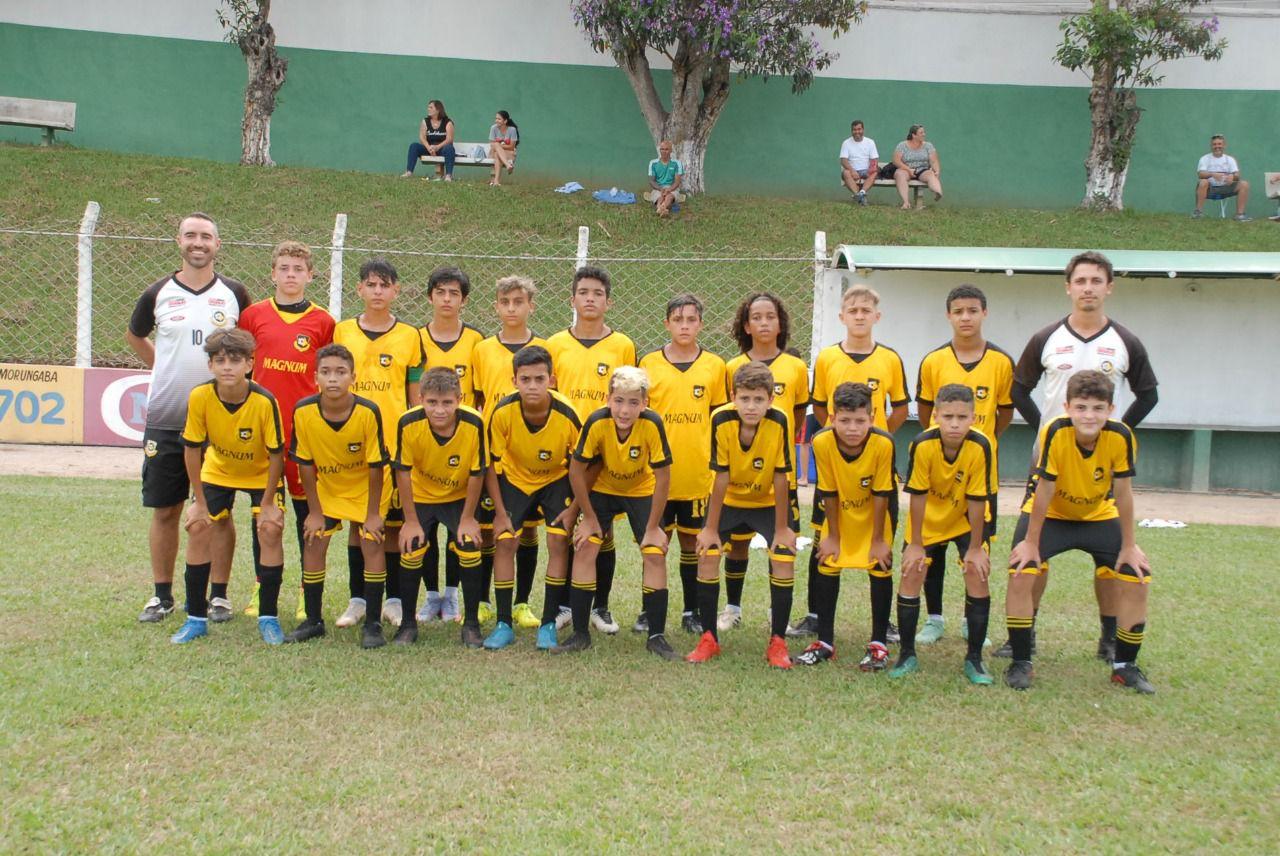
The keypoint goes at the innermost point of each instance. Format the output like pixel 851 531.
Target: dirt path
pixel 114 463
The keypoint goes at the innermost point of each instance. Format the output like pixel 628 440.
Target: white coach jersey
pixel 1057 352
pixel 181 319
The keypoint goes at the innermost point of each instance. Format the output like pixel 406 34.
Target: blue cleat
pixel 191 630
pixel 269 629
pixel 501 637
pixel 547 638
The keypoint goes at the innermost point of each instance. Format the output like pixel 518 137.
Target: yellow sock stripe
pixel 468 558
pixel 828 570
pixel 554 581
pixel 504 584
pixel 688 557
pixel 528 539
pixel 591 586
pixel 413 560
pixel 781 582
pixel 1130 636
pixel 711 582
pixel 652 550
pixel 375 576
pixel 1017 622
pixel 646 590
pixel 735 575
pixel 608 546
pixel 313 576
pixel 488 551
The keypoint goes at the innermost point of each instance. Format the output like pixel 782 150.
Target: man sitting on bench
pixel 1220 179
pixel 859 162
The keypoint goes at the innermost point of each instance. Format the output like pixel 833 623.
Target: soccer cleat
pixel 907 665
pixel 816 654
pixel 1019 675
pixel 1005 651
pixel 1129 675
pixel 547 638
pixel 564 618
pixel 776 654
pixel 501 637
pixel 807 626
pixel 575 643
pixel 371 636
pixel 977 673
pixel 1107 650
pixel 353 614
pixel 706 648
pixel 471 635
pixel 407 634
pixel 301 613
pixel 219 610
pixel 690 623
pixel 449 607
pixel 486 612
pixel 876 659
pixel 522 616
pixel 641 625
pixel 308 629
pixel 155 610
pixel 430 611
pixel 891 635
pixel 729 618
pixel 602 620
pixel 191 630
pixel 393 611
pixel 930 633
pixel 252 609
pixel 269 630
pixel 660 646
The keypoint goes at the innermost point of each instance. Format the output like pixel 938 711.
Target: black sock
pixel 563 603
pixel 526 568
pixel 1019 636
pixel 313 593
pixel 780 595
pixel 257 546
pixel 551 599
pixel 825 591
pixel 164 591
pixel 977 613
pixel 1128 642
pixel 220 590
pixel 708 600
pixel 735 577
pixel 881 606
pixel 374 585
pixel 908 621
pixel 606 563
pixel 197 580
pixel 453 566
pixel 430 569
pixel 933 580
pixel 814 584
pixel 269 579
pixel 486 573
pixel 411 573
pixel 654 603
pixel 689 580
pixel 580 597
pixel 1108 627
pixel 503 589
pixel 472 580
pixel 355 570
pixel 392 578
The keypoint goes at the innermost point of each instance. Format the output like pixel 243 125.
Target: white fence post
pixel 584 246
pixel 84 285
pixel 335 265
pixel 820 307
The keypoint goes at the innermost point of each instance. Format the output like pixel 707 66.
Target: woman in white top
pixel 915 158
pixel 504 137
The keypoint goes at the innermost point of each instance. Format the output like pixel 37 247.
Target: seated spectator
pixel 859 162
pixel 914 158
pixel 665 177
pixel 504 137
pixel 1220 179
pixel 435 138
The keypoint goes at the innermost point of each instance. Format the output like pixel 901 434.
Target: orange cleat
pixel 776 654
pixel 707 648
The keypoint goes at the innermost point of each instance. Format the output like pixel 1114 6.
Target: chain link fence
pixel 43 267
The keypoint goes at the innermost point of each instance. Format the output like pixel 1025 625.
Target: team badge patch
pixel 246 434
pixel 602 369
pixel 757 464
pixel 981 393
pixel 1098 474
pixel 384 360
pixel 150 449
pixel 454 460
pixel 634 453
pixel 959 476
pixel 544 455
pixel 699 390
pixel 778 389
pixel 460 371
pixel 302 343
pixel 873 383
pixel 865 482
pixel 1108 366
pixel 487 503
pixel 219 318
pixel 353 447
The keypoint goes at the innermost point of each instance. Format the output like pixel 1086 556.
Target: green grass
pixel 116 741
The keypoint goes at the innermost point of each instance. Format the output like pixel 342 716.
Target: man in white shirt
pixel 1220 179
pixel 859 162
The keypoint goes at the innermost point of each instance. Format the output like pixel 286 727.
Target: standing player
pixel 1085 339
pixel 289 329
pixel 1082 500
pixel 751 454
pixel 855 482
pixel 389 357
pixel 762 328
pixel 970 360
pixel 182 308
pixel 686 385
pixel 585 356
pixel 234 442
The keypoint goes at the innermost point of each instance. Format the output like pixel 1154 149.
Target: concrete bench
pixel 34 113
pixel 465 155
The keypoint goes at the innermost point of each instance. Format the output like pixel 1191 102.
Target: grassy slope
pixel 114 740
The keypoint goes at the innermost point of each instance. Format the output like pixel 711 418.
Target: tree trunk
pixel 1114 114
pixel 266 76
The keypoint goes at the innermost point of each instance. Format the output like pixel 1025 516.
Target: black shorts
pixel 609 507
pixel 685 515
pixel 164 469
pixel 549 501
pixel 448 515
pixel 936 554
pixel 819 516
pixel 738 524
pixel 220 500
pixel 395 511
pixel 1101 539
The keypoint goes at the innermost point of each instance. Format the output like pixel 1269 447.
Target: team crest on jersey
pixel 865 482
pixel 1107 366
pixel 353 447
pixel 699 390
pixel 460 371
pixel 384 360
pixel 634 453
pixel 959 476
pixel 873 383
pixel 150 449
pixel 602 369
pixel 981 393
pixel 487 503
pixel 454 460
pixel 219 318
pixel 302 342
pixel 757 464
pixel 1098 474
pixel 544 454
pixel 246 434
pixel 779 388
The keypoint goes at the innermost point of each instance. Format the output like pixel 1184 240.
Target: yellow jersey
pixel 532 457
pixel 386 364
pixel 582 367
pixel 440 466
pixel 853 480
pixel 491 371
pixel 990 378
pixel 627 464
pixel 342 454
pixel 750 467
pixel 684 394
pixel 458 355
pixel 881 370
pixel 1083 481
pixel 238 438
pixel 949 484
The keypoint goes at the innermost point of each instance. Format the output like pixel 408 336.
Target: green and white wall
pixel 1011 128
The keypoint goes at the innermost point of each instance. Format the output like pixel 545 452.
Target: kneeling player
pixel 1083 500
pixel 440 463
pixel 235 425
pixel 337 444
pixel 622 466
pixel 751 456
pixel 855 483
pixel 950 478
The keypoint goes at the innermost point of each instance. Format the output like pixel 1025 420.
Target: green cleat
pixel 908 665
pixel 930 633
pixel 977 673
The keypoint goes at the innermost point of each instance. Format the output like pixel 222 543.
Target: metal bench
pixel 34 113
pixel 465 155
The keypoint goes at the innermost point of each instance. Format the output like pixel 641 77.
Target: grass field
pixel 116 741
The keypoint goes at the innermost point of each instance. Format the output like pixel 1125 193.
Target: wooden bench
pixel 465 152
pixel 34 113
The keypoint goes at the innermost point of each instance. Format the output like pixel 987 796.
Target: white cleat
pixel 353 614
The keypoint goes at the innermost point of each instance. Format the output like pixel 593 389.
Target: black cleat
pixel 575 643
pixel 1131 676
pixel 372 636
pixel 308 629
pixel 1019 675
pixel 471 636
pixel 156 610
pixel 1107 650
pixel 641 625
pixel 690 623
pixel 815 654
pixel 807 626
pixel 660 646
pixel 407 634
pixel 1005 651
